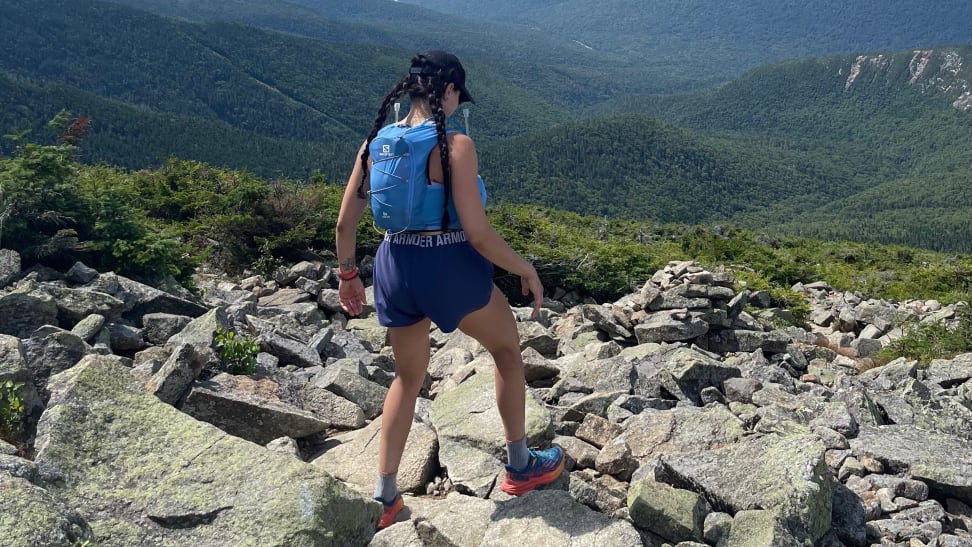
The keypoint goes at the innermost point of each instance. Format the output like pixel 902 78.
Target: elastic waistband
pixel 426 240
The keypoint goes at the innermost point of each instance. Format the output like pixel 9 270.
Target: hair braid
pixel 397 91
pixel 435 102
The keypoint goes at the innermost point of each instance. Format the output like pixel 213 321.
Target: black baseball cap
pixel 442 63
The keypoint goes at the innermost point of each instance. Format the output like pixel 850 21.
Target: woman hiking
pixel 435 265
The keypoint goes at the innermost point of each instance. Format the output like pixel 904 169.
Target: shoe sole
pixel 522 487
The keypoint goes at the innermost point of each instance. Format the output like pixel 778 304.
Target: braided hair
pixel 419 84
pixel 397 91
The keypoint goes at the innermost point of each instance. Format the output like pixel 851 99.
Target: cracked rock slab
pixel 552 517
pixel 787 474
pixel 249 409
pixel 355 459
pixel 471 436
pixel 542 517
pixel 944 462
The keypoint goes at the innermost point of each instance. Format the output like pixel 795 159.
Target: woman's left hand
pixel 351 294
pixel 530 284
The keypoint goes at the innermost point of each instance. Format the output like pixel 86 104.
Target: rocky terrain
pixel 693 413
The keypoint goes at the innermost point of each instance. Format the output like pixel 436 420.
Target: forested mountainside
pixel 553 67
pixel 870 147
pixel 135 137
pixel 898 122
pixel 635 167
pixel 273 84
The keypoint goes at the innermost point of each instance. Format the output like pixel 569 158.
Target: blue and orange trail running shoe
pixel 389 511
pixel 543 468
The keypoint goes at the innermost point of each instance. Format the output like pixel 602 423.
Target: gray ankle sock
pixel 517 454
pixel 386 488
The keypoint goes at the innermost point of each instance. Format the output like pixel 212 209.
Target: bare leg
pixel 494 327
pixel 411 347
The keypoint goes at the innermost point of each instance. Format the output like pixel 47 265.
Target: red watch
pixel 349 275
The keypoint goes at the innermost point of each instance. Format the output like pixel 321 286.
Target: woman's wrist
pixel 347 269
pixel 344 275
pixel 524 268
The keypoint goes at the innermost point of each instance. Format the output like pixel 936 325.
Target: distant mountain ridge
pixel 708 42
pixel 607 47
pixel 799 29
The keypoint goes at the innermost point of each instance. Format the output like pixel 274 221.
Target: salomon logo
pixel 386 150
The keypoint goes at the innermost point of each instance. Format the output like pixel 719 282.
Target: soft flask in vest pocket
pixel 401 197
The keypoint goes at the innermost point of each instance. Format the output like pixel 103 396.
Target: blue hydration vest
pixel 402 196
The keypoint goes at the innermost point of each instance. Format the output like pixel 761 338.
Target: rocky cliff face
pixel 692 414
pixel 942 71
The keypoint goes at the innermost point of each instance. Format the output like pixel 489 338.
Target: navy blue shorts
pixel 441 277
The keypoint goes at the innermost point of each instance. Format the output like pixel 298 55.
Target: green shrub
pixel 793 301
pixel 780 296
pixel 924 342
pixel 57 211
pixel 302 217
pixel 11 411
pixel 215 211
pixel 237 353
pixel 120 236
pixel 600 258
pixel 266 264
pixel 40 196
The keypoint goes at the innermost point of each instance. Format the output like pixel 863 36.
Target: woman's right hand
pixel 351 294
